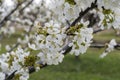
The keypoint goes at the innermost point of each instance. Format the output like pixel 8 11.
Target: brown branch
pixel 101 45
pixel 96 31
pixel 10 77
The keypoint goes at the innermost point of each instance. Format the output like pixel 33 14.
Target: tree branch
pixel 102 45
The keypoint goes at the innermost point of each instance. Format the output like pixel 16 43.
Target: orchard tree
pixel 53 28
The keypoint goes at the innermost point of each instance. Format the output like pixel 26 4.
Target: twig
pixel 10 77
pixel 100 45
pixel 17 44
pixel 96 31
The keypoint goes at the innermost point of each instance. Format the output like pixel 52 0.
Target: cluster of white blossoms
pixel 52 38
pixel 15 61
pixel 56 32
pixel 109 13
pixel 110 47
pixel 82 39
pixel 109 18
pixel 49 42
pixel 116 22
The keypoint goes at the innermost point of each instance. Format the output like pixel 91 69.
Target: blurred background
pixel 18 19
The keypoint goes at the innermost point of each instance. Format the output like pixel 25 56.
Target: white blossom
pixel 110 48
pixel 2 76
pixel 7 47
pixel 81 41
pixel 32 46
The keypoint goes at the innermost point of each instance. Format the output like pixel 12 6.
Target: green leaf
pixel 72 2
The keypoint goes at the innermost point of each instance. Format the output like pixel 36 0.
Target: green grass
pixel 88 67
pixel 106 36
pixel 8 40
